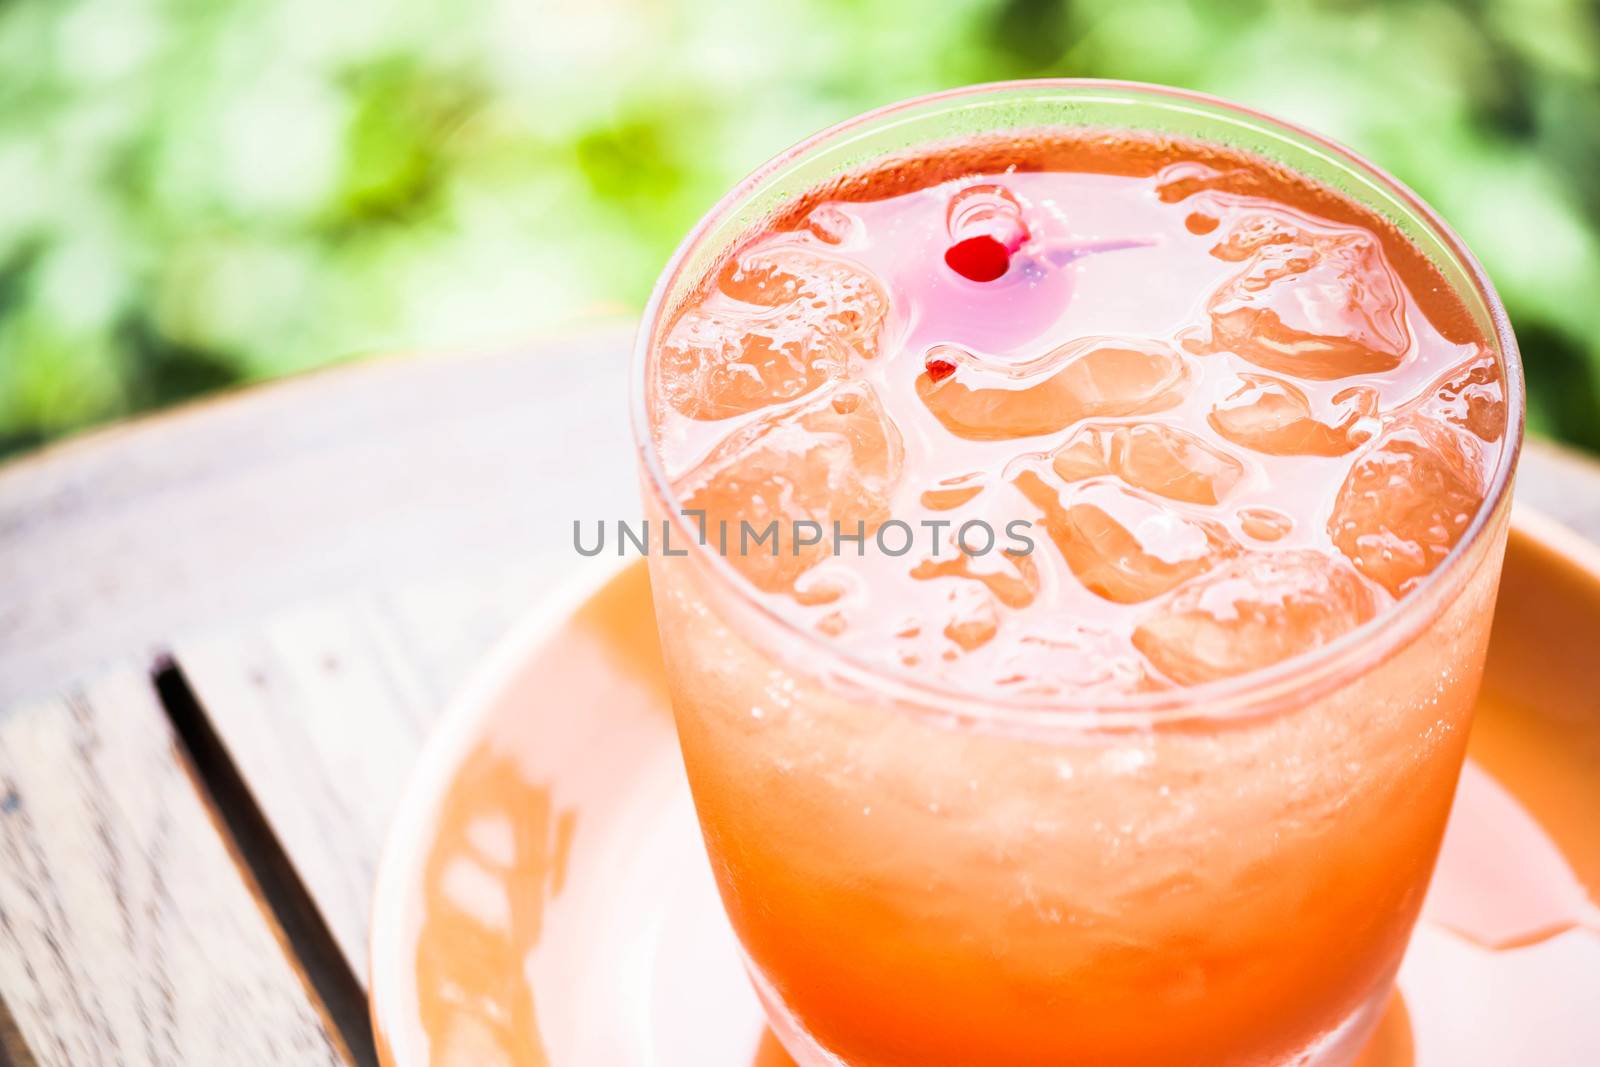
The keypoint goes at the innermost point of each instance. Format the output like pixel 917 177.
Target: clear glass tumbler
pixel 1224 876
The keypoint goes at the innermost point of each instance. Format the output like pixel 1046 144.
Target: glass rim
pixel 1306 675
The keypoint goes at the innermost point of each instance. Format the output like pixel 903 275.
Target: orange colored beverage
pixel 1095 499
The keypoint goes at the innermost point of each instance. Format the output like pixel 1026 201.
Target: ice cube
pixel 782 320
pixel 1253 611
pixel 972 622
pixel 815 464
pixel 831 224
pixel 951 493
pixel 1265 524
pixel 1407 500
pixel 1311 303
pixel 1275 417
pixel 1470 395
pixel 833 624
pixel 1124 545
pixel 1064 655
pixel 1251 233
pixel 817 587
pixel 1014 580
pixel 1095 377
pixel 1152 456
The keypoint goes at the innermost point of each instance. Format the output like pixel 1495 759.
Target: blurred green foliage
pixel 198 192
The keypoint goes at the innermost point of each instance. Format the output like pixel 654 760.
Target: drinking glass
pixel 1223 875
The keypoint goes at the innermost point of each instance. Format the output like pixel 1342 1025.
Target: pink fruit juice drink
pixel 1096 526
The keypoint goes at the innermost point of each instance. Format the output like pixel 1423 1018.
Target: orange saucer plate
pixel 545 898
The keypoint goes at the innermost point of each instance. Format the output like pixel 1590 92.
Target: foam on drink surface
pixel 1234 425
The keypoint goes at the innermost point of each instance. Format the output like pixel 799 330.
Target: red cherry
pixel 980 259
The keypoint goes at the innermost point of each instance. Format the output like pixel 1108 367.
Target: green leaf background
pixel 195 193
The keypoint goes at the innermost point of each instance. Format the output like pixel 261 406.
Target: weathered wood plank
pixel 372 477
pixel 128 935
pixel 14 1050
pixel 322 711
pixel 322 716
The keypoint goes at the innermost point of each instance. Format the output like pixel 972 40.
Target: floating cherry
pixel 938 368
pixel 978 259
pixel 986 228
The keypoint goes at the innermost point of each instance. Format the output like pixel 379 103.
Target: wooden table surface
pixel 224 634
